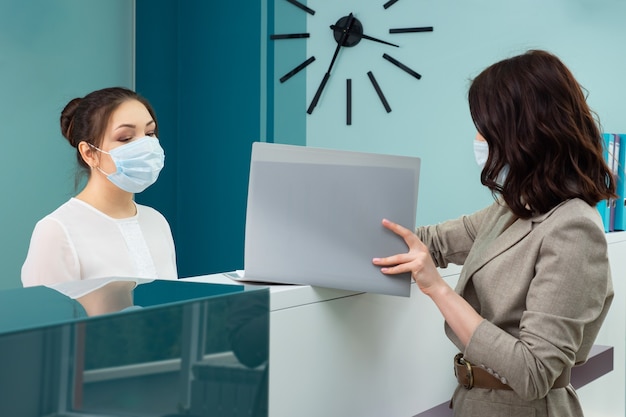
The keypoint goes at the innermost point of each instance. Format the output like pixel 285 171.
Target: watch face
pixel 347 43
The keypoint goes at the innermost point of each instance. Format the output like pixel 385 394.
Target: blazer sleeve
pixel 451 241
pixel 567 301
pixel 51 256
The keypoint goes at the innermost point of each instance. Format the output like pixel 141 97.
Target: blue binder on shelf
pixel 604 206
pixel 614 157
pixel 620 206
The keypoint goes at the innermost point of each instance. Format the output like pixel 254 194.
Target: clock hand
pixel 318 93
pixel 340 43
pixel 336 28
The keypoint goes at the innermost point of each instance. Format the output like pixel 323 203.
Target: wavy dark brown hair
pixel 534 115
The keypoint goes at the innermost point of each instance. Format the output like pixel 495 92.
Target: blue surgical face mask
pixel 137 164
pixel 481 152
pixel 502 175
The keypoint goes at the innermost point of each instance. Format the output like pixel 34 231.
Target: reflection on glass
pixel 101 295
pixel 112 297
pixel 206 356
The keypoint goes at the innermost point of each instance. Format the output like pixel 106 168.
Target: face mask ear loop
pixel 101 151
pixel 100 169
pixel 96 148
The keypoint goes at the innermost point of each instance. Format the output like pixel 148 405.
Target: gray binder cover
pixel 314 216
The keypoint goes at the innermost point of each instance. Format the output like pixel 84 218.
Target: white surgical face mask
pixel 481 152
pixel 137 164
pixel 502 175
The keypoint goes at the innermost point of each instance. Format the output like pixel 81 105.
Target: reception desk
pixel 327 352
pixel 341 353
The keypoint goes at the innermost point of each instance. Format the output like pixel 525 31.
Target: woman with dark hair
pixel 536 283
pixel 102 232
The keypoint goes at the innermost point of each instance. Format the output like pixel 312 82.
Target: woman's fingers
pixel 393 260
pixel 397 229
pixel 397 269
pixel 412 261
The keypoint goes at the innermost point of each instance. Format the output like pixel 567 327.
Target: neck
pixel 108 198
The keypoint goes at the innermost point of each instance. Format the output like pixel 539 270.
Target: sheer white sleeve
pixel 51 256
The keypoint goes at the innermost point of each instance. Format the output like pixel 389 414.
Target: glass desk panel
pixel 33 307
pixel 180 350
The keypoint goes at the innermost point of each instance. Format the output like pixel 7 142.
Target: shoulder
pixel 574 223
pixel 487 217
pixel 576 205
pixel 70 210
pixel 146 213
pixel 49 227
pixel 56 219
pixel 573 211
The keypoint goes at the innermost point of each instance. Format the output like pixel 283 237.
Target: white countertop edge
pixel 615 237
pixel 288 296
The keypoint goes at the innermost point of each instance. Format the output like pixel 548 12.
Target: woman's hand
pixel 459 315
pixel 417 260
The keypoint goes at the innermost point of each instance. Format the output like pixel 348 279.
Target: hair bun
pixel 67 120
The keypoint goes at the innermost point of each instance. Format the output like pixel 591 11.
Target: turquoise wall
pixel 210 103
pixel 156 78
pixel 50 52
pixel 286 101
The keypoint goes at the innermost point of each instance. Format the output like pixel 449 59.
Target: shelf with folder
pixel 620 203
pixel 613 211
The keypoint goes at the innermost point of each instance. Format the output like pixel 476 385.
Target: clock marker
pixel 389 4
pixel 379 91
pixel 302 6
pixel 349 101
pixel 296 70
pixel 402 66
pixel 290 36
pixel 412 30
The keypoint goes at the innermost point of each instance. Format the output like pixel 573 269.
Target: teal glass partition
pixel 181 349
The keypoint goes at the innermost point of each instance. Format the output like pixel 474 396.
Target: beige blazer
pixel 543 286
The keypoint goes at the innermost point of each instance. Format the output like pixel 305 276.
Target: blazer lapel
pixel 504 232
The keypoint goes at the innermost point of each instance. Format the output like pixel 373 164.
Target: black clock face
pixel 348 31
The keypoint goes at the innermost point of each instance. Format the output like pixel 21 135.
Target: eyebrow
pixel 151 122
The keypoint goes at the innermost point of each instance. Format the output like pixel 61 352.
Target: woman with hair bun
pixel 102 232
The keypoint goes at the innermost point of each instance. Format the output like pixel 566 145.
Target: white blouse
pixel 78 242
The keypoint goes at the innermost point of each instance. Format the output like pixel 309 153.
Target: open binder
pixel 314 216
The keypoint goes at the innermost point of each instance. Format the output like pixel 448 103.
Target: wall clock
pixel 349 32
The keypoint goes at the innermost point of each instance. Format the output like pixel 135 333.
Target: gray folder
pixel 314 216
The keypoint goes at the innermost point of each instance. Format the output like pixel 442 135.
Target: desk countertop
pixel 284 296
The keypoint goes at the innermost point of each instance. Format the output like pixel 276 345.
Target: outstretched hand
pixel 457 312
pixel 417 260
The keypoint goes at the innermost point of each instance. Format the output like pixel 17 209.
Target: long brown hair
pixel 534 116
